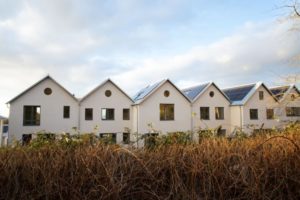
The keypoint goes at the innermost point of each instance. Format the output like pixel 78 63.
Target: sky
pixel 80 43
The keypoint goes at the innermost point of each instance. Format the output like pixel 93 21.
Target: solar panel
pixel 238 93
pixel 144 92
pixel 279 92
pixel 193 92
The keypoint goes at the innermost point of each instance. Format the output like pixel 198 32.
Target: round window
pixel 108 93
pixel 166 93
pixel 211 93
pixel 48 91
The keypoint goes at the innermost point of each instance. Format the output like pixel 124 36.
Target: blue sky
pixel 82 42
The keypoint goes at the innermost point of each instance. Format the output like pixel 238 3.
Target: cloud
pixel 135 43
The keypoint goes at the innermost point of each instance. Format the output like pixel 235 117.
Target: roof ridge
pixel 240 86
pixel 192 87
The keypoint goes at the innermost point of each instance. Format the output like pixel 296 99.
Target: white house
pixel 210 108
pixel 161 107
pixel 45 106
pixel 289 103
pixel 252 107
pixel 107 110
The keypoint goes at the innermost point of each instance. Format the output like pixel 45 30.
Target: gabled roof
pixel 240 95
pixel 193 93
pixel 280 92
pixel 37 83
pixel 143 94
pixel 102 84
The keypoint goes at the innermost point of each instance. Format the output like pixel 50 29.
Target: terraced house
pixel 160 108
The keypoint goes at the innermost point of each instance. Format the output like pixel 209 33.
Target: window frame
pixel 164 107
pixel 32 121
pixel 126 109
pixel 223 113
pixel 106 119
pixel 208 111
pixel 253 109
pixel 92 114
pixel 261 95
pixel 67 115
pixel 267 113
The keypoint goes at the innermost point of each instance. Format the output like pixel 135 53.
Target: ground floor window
pixel 126 138
pixel 221 132
pixel 150 140
pixel 270 113
pixel 26 138
pixel 108 138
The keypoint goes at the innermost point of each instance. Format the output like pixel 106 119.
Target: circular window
pixel 211 93
pixel 293 97
pixel 166 93
pixel 48 91
pixel 108 93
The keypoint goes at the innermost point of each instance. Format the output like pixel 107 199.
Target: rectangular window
pixel 253 114
pixel 261 95
pixel 32 115
pixel 270 113
pixel 109 138
pixel 107 114
pixel 26 138
pixel 126 114
pixel 66 112
pixel 89 114
pixel 292 111
pixel 204 113
pixel 219 112
pixel 166 112
pixel 221 132
pixel 126 138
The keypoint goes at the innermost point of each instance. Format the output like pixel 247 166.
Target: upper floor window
pixel 166 112
pixel 89 114
pixel 253 114
pixel 219 112
pixel 66 112
pixel 292 111
pixel 107 93
pixel 107 114
pixel 261 95
pixel 204 113
pixel 126 114
pixel 31 115
pixel 270 113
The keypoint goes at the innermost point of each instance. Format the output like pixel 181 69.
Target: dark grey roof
pixel 145 91
pixel 238 93
pixel 193 92
pixel 279 92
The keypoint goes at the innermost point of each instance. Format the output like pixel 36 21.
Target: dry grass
pixel 255 168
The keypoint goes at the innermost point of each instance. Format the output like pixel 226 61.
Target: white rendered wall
pixel 261 105
pixel 218 100
pixel 97 101
pixel 51 111
pixel 149 111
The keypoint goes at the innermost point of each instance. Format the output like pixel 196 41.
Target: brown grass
pixel 254 168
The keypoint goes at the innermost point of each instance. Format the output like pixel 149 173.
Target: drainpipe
pixel 192 122
pixel 137 126
pixel 1 132
pixel 241 118
pixel 79 118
